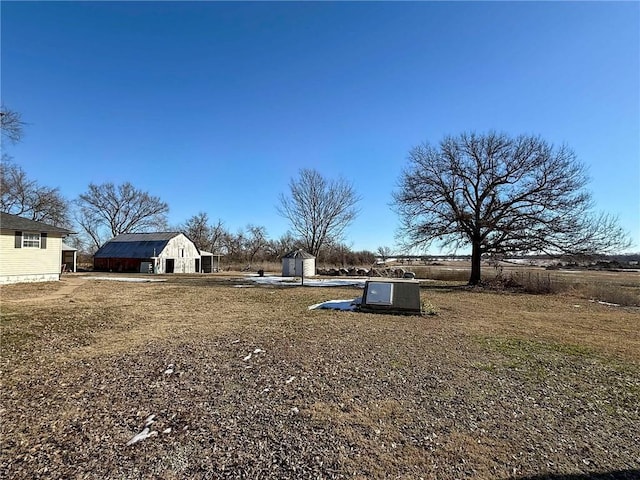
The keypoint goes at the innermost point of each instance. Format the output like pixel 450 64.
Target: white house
pixel 159 252
pixel 30 251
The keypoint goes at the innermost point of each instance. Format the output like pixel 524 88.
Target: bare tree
pixel 255 242
pixel 197 229
pixel 233 245
pixel 205 235
pixel 319 209
pixel 217 233
pixel 501 195
pixel 277 248
pixel 106 211
pixel 21 196
pixel 384 253
pixel 11 124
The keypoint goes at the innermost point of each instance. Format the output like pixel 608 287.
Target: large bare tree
pixel 22 196
pixel 107 210
pixel 318 209
pixel 501 194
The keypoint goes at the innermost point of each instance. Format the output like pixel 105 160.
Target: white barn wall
pixel 183 252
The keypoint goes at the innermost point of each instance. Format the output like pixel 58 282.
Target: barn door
pixel 169 265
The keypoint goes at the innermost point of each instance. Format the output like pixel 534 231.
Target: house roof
pixel 16 223
pixel 135 245
pixel 298 254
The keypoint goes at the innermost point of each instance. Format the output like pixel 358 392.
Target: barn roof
pixel 298 254
pixel 135 245
pixel 14 222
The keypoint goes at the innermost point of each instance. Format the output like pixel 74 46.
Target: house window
pixel 30 240
pixel 182 252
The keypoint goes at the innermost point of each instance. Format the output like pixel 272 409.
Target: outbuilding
pixel 298 263
pixel 210 262
pixel 160 252
pixel 69 258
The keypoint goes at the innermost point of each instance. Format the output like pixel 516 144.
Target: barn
pixel 293 263
pixel 160 252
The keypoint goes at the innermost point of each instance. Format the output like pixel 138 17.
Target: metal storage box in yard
pixel 390 295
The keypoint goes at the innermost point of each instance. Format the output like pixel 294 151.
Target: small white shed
pixel 298 264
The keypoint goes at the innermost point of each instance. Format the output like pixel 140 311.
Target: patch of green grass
pixel 611 384
pixel 532 358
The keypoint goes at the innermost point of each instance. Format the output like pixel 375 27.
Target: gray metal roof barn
pixel 158 252
pixel 293 263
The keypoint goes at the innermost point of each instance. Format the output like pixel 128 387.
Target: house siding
pixel 29 264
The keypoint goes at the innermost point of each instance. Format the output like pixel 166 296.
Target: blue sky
pixel 214 106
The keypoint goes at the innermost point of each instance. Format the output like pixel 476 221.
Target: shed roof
pixel 68 248
pixel 298 254
pixel 14 222
pixel 209 254
pixel 135 245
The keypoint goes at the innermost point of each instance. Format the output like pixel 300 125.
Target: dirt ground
pixel 237 381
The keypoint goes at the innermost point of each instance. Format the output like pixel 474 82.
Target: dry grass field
pixel 249 383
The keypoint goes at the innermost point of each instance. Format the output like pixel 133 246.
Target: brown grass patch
pixel 253 384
